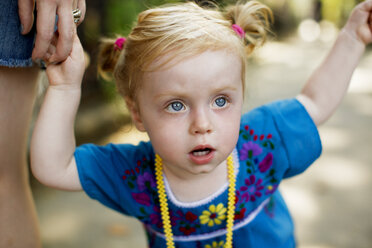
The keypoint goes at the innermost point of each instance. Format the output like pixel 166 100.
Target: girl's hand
pixel 69 73
pixel 359 25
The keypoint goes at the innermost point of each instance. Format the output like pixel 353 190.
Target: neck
pixel 195 187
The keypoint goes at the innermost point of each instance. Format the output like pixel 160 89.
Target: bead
pixel 164 204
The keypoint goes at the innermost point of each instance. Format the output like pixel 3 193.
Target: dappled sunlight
pixel 361 81
pixel 302 203
pixel 334 138
pixel 280 52
pixel 342 173
pixel 309 31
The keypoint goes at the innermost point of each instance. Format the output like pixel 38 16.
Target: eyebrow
pixel 181 94
pixel 223 88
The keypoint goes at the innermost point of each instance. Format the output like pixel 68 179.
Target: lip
pixel 203 159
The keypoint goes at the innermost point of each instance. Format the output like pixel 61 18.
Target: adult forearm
pixel 53 140
pixel 328 84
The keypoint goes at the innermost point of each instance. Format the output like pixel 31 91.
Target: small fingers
pixel 26 14
pixel 366 5
pixel 51 51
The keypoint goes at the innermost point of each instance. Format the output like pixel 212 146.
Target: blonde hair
pixel 180 31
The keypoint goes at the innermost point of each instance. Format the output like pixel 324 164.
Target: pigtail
pixel 254 18
pixel 107 58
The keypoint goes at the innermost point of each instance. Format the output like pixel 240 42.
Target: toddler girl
pixel 209 176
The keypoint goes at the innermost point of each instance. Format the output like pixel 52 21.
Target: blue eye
pixel 220 102
pixel 175 107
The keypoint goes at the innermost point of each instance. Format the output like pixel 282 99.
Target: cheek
pixel 165 135
pixel 231 127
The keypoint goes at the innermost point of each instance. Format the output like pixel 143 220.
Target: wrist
pixel 68 88
pixel 352 46
pixel 64 92
pixel 352 40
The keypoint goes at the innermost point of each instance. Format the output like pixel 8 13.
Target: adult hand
pixel 45 26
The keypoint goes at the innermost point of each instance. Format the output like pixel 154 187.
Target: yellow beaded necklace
pixel 164 204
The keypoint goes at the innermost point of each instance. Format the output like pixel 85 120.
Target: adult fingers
pixel 26 14
pixel 45 22
pixel 66 31
pixel 82 6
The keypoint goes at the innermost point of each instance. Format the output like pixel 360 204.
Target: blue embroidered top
pixel 276 141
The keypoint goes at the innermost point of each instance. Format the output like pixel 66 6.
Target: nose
pixel 201 122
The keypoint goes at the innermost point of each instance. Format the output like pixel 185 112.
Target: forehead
pixel 218 68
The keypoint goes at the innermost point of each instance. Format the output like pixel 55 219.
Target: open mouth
pixel 202 154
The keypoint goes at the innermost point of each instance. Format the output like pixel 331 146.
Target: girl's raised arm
pixel 53 139
pixel 328 84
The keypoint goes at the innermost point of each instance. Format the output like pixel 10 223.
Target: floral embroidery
pixel 240 214
pixel 256 154
pixel 187 230
pixel 155 218
pixel 270 189
pixel 145 181
pixel 214 215
pixel 215 244
pixel 266 163
pixel 251 189
pixel 142 198
pixel 248 134
pixel 187 222
pixel 249 150
pixel 143 186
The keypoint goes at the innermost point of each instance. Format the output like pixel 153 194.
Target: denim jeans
pixel 15 48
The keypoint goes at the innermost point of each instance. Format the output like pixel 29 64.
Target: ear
pixel 135 114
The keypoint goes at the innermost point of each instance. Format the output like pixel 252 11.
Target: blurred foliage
pixel 121 14
pixel 337 11
pixel 113 17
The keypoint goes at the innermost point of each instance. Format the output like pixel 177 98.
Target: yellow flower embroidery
pixel 215 244
pixel 215 215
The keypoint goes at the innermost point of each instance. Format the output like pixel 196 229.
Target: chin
pixel 203 169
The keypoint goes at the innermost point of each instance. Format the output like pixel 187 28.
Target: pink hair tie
pixel 238 30
pixel 119 43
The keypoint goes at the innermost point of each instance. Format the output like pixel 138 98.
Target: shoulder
pixel 93 160
pixel 287 108
pixel 115 151
pixel 114 172
pixel 284 131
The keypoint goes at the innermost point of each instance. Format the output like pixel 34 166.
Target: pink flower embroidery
pixel 266 163
pixel 142 198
